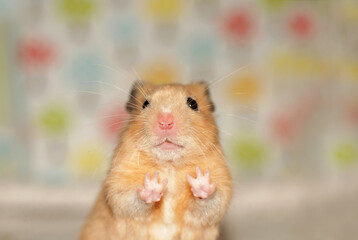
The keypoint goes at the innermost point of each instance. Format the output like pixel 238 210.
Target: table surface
pixel 291 210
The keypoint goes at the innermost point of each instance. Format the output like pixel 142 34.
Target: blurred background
pixel 283 75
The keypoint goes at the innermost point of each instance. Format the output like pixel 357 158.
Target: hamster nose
pixel 165 121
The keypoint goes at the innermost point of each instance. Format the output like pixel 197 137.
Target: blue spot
pixel 6 7
pixel 201 49
pixel 86 71
pixel 124 30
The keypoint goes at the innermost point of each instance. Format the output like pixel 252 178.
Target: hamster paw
pixel 201 186
pixel 152 190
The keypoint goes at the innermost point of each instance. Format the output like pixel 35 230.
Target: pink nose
pixel 165 121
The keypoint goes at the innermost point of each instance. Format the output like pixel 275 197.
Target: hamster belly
pixel 164 226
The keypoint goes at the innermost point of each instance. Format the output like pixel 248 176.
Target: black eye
pixel 145 104
pixel 192 104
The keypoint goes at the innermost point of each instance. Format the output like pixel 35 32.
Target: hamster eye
pixel 145 104
pixel 192 104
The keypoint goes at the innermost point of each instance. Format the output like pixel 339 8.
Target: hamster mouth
pixel 168 144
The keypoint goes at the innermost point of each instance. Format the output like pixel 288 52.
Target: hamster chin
pixel 168 149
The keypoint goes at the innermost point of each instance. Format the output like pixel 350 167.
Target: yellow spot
pixel 349 11
pixel 159 72
pixel 89 161
pixel 164 10
pixel 300 64
pixel 245 87
pixel 350 70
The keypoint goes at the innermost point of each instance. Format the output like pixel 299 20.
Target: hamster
pixel 168 178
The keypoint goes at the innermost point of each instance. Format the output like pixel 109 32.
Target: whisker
pixel 201 143
pixel 132 116
pixel 115 115
pixel 136 73
pixel 138 158
pixel 140 85
pixel 244 106
pixel 132 104
pixel 141 89
pixel 217 150
pixel 118 88
pixel 91 92
pixel 217 127
pixel 114 124
pixel 115 70
pixel 215 147
pixel 228 75
pixel 240 117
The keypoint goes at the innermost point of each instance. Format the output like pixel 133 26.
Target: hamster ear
pixel 204 88
pixel 138 89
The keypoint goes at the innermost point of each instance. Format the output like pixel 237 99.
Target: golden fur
pixel 119 213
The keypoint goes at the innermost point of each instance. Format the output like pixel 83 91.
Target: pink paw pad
pixel 201 186
pixel 152 190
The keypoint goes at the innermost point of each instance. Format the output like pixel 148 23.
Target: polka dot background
pixel 283 75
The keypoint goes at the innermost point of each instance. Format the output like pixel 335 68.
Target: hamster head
pixel 171 121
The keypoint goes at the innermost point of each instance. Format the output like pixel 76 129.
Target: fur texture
pixel 120 214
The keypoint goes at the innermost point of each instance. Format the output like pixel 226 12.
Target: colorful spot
pixel 349 10
pixel 273 5
pixel 161 71
pixel 238 25
pixel 78 10
pixel 125 30
pixel 250 153
pixel 86 71
pixel 55 119
pixel 164 10
pixel 302 25
pixel 352 113
pixel 113 121
pixel 201 49
pixel 6 7
pixel 89 161
pixel 349 70
pixel 245 87
pixel 345 154
pixel 37 53
pixel 292 64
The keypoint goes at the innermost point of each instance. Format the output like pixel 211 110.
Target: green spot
pixel 274 4
pixel 78 10
pixel 345 154
pixel 250 153
pixel 54 120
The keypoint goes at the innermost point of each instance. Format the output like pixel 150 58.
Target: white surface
pixel 320 210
